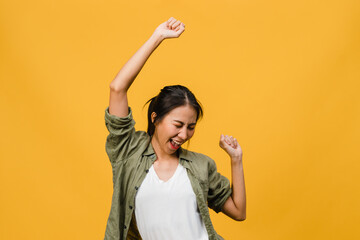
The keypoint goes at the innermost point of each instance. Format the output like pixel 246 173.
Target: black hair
pixel 169 98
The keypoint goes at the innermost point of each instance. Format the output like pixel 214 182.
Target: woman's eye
pixel 178 126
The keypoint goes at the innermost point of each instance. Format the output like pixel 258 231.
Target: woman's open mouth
pixel 175 144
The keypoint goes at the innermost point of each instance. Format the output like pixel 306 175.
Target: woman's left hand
pixel 231 147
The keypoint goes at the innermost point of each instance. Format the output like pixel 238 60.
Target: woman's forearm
pixel 238 186
pixel 133 66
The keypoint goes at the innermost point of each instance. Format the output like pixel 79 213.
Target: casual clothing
pixel 167 209
pixel 131 156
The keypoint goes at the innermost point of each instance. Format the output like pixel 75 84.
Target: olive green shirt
pixel 131 155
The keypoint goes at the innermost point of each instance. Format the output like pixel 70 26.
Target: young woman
pixel 162 191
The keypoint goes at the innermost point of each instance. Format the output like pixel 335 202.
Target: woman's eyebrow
pixel 178 121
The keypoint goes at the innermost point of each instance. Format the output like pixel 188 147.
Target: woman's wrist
pixel 236 159
pixel 157 38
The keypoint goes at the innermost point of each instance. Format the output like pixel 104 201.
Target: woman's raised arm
pixel 235 205
pixel 118 104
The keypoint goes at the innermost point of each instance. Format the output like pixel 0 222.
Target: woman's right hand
pixel 172 28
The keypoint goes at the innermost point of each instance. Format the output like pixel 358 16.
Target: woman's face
pixel 174 129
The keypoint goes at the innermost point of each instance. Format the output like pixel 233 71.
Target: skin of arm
pixel 118 103
pixel 235 205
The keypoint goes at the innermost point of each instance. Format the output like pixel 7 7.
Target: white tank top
pixel 168 210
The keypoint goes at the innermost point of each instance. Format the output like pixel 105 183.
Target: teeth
pixel 176 142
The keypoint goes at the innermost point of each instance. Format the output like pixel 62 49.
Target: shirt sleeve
pixel 122 140
pixel 219 188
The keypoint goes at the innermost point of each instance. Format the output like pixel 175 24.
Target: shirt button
pixel 147 170
pixel 136 188
pixel 124 227
pixel 130 207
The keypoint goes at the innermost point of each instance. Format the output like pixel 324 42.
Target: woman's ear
pixel 153 116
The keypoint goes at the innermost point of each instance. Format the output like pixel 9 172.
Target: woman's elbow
pixel 117 88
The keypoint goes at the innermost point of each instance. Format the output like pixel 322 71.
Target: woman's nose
pixel 183 134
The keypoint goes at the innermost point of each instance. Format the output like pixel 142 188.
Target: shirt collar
pixel 149 150
pixel 183 154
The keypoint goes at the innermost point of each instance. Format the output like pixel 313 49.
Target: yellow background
pixel 282 76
